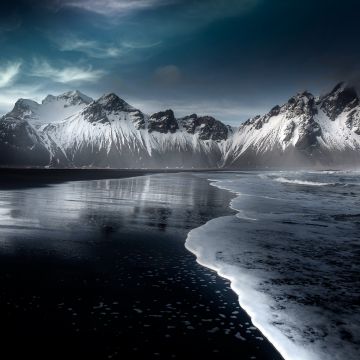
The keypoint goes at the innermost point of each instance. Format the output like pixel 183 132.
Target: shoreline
pixel 235 285
pixel 285 347
pixel 237 288
pixel 211 326
pixel 36 177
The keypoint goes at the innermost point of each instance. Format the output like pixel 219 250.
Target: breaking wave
pixel 302 182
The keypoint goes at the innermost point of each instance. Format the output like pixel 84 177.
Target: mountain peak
pixel 339 86
pixel 108 97
pixel 304 96
pixel 341 98
pixel 192 116
pixel 167 113
pixel 49 98
pixel 112 102
pixel 302 104
pixel 51 110
pixel 74 97
pixel 26 103
pixel 163 122
pixel 76 94
pixel 207 127
pixel 24 107
pixel 342 88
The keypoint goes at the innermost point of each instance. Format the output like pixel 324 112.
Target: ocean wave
pixel 302 182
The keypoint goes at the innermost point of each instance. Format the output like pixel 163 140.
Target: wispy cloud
pixel 97 49
pixel 202 10
pixel 198 8
pixel 8 73
pixel 140 45
pixel 68 74
pixel 114 7
pixel 91 48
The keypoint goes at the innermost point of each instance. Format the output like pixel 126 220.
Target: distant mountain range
pixel 73 130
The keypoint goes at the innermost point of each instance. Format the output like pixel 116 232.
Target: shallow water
pixel 292 253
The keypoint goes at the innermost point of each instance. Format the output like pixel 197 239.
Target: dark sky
pixel 231 59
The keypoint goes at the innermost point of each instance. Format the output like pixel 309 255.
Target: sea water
pixel 292 253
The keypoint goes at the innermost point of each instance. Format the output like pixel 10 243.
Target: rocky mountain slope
pixel 305 132
pixel 73 130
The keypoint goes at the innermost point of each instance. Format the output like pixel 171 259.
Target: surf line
pixel 246 295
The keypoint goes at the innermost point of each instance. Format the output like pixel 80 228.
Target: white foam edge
pixel 246 295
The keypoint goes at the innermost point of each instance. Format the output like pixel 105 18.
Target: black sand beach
pixel 98 269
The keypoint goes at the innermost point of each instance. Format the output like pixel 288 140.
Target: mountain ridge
pixel 108 132
pixel 304 132
pixel 74 130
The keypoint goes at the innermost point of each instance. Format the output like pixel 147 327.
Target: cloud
pixel 196 8
pixel 91 48
pixel 8 73
pixel 168 74
pixel 140 45
pixel 69 74
pixel 100 50
pixel 114 7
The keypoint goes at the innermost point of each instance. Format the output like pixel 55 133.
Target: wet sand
pixel 98 269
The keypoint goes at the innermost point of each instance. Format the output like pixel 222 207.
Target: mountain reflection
pixel 103 209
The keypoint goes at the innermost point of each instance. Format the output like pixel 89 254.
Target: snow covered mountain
pixel 73 130
pixel 22 141
pixel 306 132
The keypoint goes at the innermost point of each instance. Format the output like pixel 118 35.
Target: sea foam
pixel 301 182
pixel 294 268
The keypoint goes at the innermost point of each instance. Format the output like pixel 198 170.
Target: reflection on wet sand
pixel 84 210
pixel 102 264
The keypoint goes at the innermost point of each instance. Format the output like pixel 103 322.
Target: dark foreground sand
pixel 123 291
